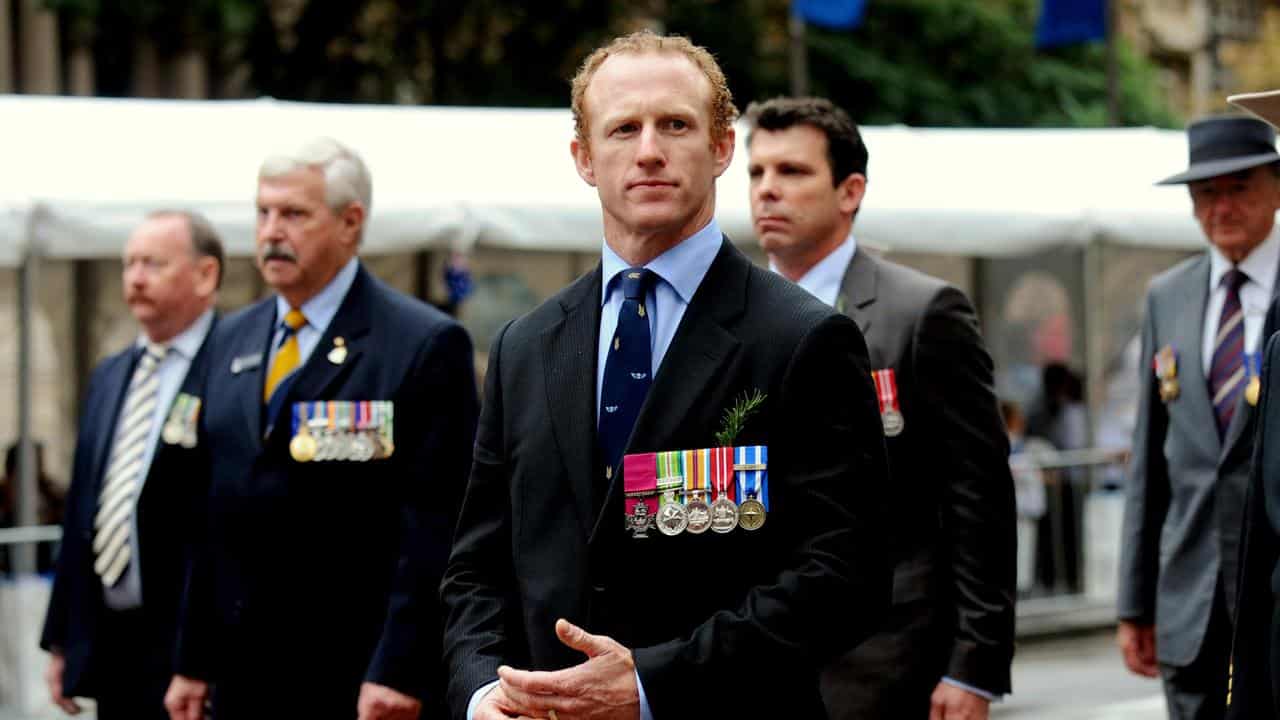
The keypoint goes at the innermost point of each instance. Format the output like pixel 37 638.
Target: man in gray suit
pixel 945 649
pixel 1193 441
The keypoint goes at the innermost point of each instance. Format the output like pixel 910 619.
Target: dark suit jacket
pixel 952 503
pixel 1185 498
pixel 720 625
pixel 316 577
pixel 171 497
pixel 1255 659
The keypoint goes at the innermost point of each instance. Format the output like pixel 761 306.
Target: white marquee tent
pixel 79 173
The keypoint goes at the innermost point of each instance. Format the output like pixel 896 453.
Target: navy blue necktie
pixel 627 370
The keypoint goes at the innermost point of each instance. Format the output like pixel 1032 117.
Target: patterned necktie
pixel 627 370
pixel 287 357
pixel 124 470
pixel 1226 374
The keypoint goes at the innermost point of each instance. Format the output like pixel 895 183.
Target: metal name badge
pixel 245 362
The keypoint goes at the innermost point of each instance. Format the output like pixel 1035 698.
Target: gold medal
pixel 1251 392
pixel 1168 390
pixel 338 354
pixel 303 445
pixel 751 514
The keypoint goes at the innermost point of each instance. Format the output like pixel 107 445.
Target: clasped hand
pixel 602 687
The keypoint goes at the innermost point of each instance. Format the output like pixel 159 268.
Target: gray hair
pixel 204 239
pixel 346 178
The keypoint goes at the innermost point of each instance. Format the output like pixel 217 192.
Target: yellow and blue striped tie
pixel 287 357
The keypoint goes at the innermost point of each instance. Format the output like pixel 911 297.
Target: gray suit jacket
pixel 1184 508
pixel 952 514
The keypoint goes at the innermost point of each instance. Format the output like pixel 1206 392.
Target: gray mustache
pixel 276 251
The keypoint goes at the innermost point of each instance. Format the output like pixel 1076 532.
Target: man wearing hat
pixel 1193 441
pixel 1254 660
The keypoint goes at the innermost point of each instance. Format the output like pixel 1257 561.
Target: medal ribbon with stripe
pixel 722 478
pixel 697 472
pixel 751 464
pixel 886 390
pixel 670 479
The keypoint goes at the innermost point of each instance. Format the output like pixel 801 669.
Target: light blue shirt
pixel 319 311
pixel 680 271
pixel 823 281
pixel 170 372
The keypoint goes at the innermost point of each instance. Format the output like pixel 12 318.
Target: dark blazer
pixel 1256 644
pixel 952 502
pixel 732 625
pixel 1185 499
pixel 317 577
pixel 171 497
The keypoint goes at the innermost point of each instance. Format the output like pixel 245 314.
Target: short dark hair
pixel 846 152
pixel 204 239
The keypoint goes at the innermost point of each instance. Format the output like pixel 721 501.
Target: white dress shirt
pixel 170 372
pixel 1255 295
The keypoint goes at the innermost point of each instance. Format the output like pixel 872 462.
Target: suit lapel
pixel 316 377
pixel 255 342
pixel 569 352
pixel 117 383
pixel 858 289
pixel 1188 335
pixel 701 347
pixel 1242 420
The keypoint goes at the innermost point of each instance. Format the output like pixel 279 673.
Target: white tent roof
pixel 90 168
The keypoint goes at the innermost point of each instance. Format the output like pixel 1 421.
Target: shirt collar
pixel 321 308
pixel 187 343
pixel 823 279
pixel 682 267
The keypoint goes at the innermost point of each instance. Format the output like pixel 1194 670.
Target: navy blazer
pixel 319 576
pixel 170 498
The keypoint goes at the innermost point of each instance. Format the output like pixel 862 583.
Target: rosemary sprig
pixel 735 418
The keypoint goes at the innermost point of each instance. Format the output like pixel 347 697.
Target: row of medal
pixel 180 426
pixel 1165 365
pixel 352 431
pixel 693 491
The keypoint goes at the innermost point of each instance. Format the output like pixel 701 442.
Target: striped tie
pixel 124 470
pixel 287 357
pixel 1226 374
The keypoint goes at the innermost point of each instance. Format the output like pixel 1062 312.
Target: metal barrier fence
pixel 1068 537
pixel 1068 553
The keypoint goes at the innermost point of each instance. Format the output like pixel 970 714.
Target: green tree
pixel 974 63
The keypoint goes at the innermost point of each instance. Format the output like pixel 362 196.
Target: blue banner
pixel 1068 22
pixel 834 14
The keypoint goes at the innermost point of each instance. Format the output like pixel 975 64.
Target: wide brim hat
pixel 1224 145
pixel 1266 105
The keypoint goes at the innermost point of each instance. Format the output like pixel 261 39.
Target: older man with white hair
pixel 339 422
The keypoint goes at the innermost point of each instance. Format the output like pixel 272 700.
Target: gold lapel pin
pixel 338 354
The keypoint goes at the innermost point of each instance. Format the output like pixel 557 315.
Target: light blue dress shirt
pixel 170 372
pixel 823 281
pixel 680 271
pixel 319 311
